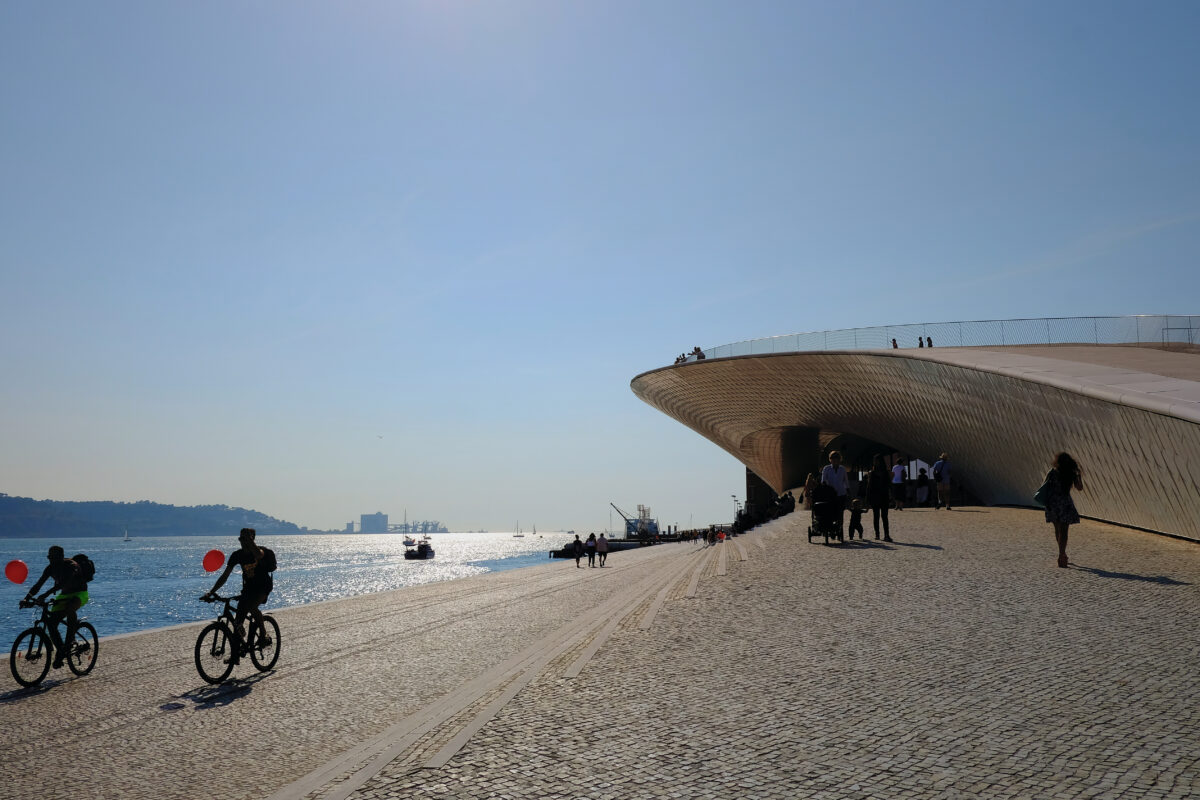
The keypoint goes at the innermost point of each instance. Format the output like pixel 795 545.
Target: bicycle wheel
pixel 216 652
pixel 30 657
pixel 81 656
pixel 264 644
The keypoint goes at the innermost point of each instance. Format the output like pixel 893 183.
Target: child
pixel 856 512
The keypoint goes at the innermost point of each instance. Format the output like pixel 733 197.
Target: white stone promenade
pixel 957 662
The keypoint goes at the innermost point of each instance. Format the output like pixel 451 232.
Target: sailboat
pixel 518 534
pixel 127 539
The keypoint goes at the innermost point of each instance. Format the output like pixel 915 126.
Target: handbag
pixel 1043 493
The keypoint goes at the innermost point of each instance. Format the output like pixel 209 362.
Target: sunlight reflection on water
pixel 153 582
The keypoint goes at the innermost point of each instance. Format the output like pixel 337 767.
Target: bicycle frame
pixel 229 615
pixel 42 622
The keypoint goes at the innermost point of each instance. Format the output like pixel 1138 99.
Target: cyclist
pixel 257 565
pixel 71 585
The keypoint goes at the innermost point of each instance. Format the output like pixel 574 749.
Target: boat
pixel 518 534
pixel 127 539
pixel 422 551
pixel 410 541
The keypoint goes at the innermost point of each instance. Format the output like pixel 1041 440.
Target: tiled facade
pixel 1001 424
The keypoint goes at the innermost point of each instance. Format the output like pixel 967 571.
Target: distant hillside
pixel 26 517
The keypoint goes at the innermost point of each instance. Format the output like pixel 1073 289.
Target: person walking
pixel 922 487
pixel 941 476
pixel 878 484
pixel 577 550
pixel 590 548
pixel 602 549
pixel 856 512
pixel 1064 475
pixel 899 485
pixel 834 476
pixel 810 483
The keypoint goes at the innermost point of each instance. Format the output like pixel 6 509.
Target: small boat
pixel 410 541
pixel 127 539
pixel 422 551
pixel 518 534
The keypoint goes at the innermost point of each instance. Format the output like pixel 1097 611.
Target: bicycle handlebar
pixel 213 597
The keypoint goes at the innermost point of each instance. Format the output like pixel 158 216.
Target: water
pixel 155 581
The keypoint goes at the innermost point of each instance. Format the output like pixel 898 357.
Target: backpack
pixel 87 568
pixel 266 562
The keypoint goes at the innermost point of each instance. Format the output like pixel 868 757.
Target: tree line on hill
pixel 24 517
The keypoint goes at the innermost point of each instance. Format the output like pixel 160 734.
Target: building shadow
pixel 1130 576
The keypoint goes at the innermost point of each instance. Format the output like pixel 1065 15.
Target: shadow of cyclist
pixel 17 695
pixel 206 697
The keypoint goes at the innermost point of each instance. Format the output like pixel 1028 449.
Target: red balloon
pixel 16 571
pixel 213 560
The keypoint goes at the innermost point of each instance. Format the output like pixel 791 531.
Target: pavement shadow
pixel 865 544
pixel 208 697
pixel 17 695
pixel 915 544
pixel 1130 576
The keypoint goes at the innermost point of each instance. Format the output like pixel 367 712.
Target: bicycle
pixel 33 650
pixel 220 647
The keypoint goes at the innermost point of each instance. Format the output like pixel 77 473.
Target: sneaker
pixel 58 662
pixel 887 538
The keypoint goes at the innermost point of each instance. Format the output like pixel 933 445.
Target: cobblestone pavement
pixel 958 661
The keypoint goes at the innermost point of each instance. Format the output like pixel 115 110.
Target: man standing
pixel 834 476
pixel 941 476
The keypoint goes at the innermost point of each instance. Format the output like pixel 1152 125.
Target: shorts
pixel 59 603
pixel 257 593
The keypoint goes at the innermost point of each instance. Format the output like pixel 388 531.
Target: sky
pixel 328 259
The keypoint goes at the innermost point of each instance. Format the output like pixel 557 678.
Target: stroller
pixel 826 515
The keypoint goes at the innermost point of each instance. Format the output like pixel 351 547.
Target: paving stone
pixel 957 662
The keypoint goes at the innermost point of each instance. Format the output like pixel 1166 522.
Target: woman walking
pixel 878 485
pixel 810 484
pixel 1060 508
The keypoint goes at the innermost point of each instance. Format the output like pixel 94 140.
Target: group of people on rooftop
pixel 928 342
pixel 696 353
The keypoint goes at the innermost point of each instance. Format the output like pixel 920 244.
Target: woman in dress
pixel 1060 508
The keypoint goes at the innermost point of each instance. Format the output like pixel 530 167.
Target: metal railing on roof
pixel 1152 330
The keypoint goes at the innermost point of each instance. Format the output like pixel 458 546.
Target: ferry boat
pixel 422 551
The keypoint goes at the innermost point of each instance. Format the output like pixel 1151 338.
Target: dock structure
pixel 956 661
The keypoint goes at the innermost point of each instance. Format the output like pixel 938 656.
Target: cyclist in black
pixel 257 565
pixel 72 587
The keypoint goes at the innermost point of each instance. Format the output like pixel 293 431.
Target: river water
pixel 154 582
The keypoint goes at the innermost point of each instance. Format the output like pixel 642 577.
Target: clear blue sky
pixel 325 259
